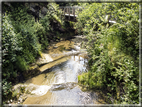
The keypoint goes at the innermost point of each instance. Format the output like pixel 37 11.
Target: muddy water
pixel 57 83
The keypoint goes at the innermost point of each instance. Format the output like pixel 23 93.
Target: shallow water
pixel 57 84
pixel 62 81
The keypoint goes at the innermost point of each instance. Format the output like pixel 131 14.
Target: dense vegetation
pixel 112 30
pixel 23 39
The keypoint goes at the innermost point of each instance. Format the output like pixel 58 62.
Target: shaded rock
pixel 21 77
pixel 34 70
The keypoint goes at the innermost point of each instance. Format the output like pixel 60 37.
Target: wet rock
pixel 34 70
pixel 56 87
pixel 71 85
pixel 55 47
pixel 11 100
pixel 60 77
pixel 61 39
pixel 20 99
pixel 67 86
pixel 44 59
pixel 72 53
pixel 77 47
pixel 85 98
pixel 41 90
pixel 33 67
pixel 30 90
pixel 68 49
pixel 17 87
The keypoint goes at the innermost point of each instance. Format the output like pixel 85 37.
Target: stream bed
pixel 57 84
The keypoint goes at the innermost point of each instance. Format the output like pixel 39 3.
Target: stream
pixel 57 84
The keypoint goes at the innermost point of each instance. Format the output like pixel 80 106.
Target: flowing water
pixel 58 82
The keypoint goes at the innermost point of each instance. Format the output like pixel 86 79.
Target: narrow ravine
pixel 56 53
pixel 57 84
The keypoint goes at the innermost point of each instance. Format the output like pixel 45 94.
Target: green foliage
pixel 15 93
pixel 23 39
pixel 24 25
pixel 19 38
pixel 21 64
pixel 91 80
pixel 9 41
pixel 6 89
pixel 9 49
pixel 20 45
pixel 54 14
pixel 46 23
pixel 22 89
pixel 113 48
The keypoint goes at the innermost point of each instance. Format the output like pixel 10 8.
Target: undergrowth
pixel 23 39
pixel 114 49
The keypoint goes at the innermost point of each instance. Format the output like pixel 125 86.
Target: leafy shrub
pixel 20 45
pixel 22 40
pixel 21 64
pixel 6 89
pixel 9 41
pixel 24 24
pixel 47 22
pixel 113 48
pixel 9 48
